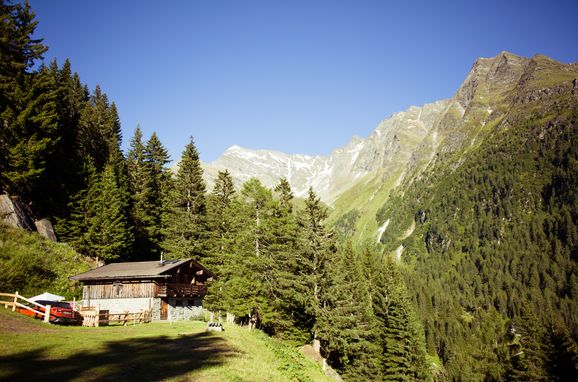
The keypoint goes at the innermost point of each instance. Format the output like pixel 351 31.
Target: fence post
pixel 97 315
pixel 15 300
pixel 47 314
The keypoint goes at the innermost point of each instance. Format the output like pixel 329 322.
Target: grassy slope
pixel 30 350
pixel 366 197
pixel 32 265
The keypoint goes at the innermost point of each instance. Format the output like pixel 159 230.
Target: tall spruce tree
pixel 287 285
pixel 19 49
pixel 30 134
pixel 73 229
pixel 220 217
pixel 186 222
pixel 403 339
pixel 109 235
pixel 346 324
pixel 158 185
pixel 149 184
pixel 316 249
pixel 252 248
pixel 63 173
pixel 243 279
pixel 224 226
pixel 99 129
pixel 138 190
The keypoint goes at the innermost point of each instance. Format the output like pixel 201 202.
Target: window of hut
pixel 117 289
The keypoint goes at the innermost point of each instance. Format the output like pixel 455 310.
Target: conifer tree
pixel 99 129
pixel 529 364
pixel 109 235
pixel 316 248
pixel 252 245
pixel 149 186
pixel 347 325
pixel 29 134
pixel 63 174
pixel 220 217
pixel 223 217
pixel 73 230
pixel 401 335
pixel 186 222
pixel 19 50
pixel 158 182
pixel 287 285
pixel 138 186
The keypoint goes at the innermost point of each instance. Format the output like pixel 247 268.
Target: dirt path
pixel 13 323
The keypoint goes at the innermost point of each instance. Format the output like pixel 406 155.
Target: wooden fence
pixel 93 316
pixel 11 300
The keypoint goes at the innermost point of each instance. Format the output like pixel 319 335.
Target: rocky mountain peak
pixel 501 72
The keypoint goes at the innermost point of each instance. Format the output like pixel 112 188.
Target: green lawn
pixel 30 349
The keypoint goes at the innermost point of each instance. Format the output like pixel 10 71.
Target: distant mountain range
pixel 399 142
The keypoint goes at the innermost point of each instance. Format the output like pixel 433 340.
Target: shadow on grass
pixel 141 359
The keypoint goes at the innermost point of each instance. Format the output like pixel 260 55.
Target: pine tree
pixel 252 246
pixel 29 135
pixel 224 226
pixel 109 235
pixel 186 223
pixel 18 50
pixel 287 284
pixel 149 184
pixel 529 363
pixel 73 230
pixel 159 183
pixel 402 337
pixel 99 130
pixel 63 174
pixel 220 219
pixel 347 324
pixel 316 248
pixel 138 191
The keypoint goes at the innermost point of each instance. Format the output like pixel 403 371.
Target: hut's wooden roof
pixel 136 270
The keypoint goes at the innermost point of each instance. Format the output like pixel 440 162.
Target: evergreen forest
pixel 486 288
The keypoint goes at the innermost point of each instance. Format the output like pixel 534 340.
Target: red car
pixel 60 312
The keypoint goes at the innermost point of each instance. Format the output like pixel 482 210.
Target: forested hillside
pixel 491 264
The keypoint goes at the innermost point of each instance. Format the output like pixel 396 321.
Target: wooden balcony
pixel 181 290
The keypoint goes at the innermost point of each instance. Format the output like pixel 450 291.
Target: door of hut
pixel 164 310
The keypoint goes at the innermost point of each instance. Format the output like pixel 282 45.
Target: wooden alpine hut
pixel 170 289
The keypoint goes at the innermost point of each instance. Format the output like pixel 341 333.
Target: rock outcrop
pixel 45 229
pixel 16 214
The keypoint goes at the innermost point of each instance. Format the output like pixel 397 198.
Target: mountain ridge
pixel 329 175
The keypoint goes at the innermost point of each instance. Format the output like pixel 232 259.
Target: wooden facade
pixel 131 288
pixel 119 289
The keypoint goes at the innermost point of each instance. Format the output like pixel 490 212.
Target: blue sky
pixel 294 76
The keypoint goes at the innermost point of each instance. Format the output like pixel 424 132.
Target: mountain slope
pixel 479 105
pixel 487 230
